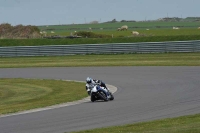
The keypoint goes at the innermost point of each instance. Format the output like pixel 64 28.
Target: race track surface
pixel 144 94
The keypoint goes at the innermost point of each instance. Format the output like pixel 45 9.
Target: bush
pixel 87 34
pixel 19 31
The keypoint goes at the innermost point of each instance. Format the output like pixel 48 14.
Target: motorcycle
pixel 100 93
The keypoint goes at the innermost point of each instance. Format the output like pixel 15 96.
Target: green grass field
pixel 158 32
pixel 152 32
pixel 39 42
pixel 154 28
pixel 114 26
pixel 184 124
pixel 143 32
pixel 164 59
pixel 24 94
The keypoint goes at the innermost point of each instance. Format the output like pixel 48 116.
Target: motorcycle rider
pixel 91 82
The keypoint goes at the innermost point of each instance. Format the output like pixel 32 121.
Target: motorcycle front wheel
pixel 111 96
pixel 103 96
pixel 92 98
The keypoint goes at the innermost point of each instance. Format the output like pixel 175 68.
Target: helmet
pixel 88 80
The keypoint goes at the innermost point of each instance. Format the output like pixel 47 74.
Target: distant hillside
pixel 192 19
pixel 176 19
pixel 166 19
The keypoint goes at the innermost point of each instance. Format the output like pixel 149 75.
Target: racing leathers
pixel 92 83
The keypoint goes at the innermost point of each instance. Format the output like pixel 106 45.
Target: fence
pixel 58 50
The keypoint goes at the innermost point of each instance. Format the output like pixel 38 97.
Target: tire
pixel 92 98
pixel 112 97
pixel 103 96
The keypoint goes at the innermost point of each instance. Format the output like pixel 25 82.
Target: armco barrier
pixel 58 50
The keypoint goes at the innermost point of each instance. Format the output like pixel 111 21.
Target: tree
pixel 114 20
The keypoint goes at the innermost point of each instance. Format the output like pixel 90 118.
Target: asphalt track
pixel 144 94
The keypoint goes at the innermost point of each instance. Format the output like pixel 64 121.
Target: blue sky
pixel 51 12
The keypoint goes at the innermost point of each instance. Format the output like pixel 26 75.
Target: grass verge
pixel 161 59
pixel 130 39
pixel 184 124
pixel 24 94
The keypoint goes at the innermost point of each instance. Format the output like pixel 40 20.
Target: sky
pixel 56 12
